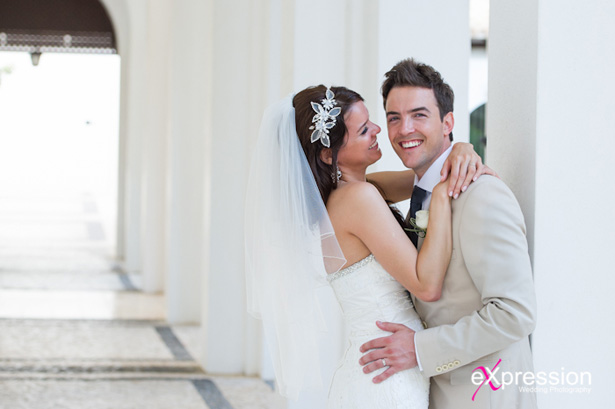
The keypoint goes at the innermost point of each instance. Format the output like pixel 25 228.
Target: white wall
pixel 575 142
pixel 550 135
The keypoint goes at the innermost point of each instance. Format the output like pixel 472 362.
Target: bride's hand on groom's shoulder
pixel 462 167
pixel 395 351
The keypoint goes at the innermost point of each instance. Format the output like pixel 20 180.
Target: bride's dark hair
pixel 323 172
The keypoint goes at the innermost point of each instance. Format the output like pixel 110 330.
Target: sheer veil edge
pixel 290 247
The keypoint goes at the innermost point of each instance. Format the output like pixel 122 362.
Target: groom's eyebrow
pixel 410 111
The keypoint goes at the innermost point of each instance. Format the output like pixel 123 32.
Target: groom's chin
pixel 408 162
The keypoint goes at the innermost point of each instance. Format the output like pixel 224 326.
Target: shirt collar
pixel 432 177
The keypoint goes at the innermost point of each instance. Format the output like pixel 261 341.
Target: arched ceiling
pixel 78 26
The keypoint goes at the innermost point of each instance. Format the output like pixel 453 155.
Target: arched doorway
pixel 59 91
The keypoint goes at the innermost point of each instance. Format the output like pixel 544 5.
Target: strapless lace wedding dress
pixel 367 293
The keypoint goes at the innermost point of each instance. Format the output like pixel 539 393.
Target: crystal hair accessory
pixel 324 118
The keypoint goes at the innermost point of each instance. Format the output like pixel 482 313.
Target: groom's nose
pixel 407 125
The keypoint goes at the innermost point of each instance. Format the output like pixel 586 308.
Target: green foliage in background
pixel 477 131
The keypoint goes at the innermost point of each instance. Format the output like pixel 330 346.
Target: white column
pixel 550 137
pixel 133 117
pixel 154 146
pixel 272 54
pixel 186 212
pixel 119 14
pixel 512 100
pixel 236 80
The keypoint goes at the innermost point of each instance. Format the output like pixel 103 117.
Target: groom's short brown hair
pixel 412 73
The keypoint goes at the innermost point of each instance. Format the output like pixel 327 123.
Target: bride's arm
pixel 463 164
pixel 435 254
pixel 394 186
pixel 371 221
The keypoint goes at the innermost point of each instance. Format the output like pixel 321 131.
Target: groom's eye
pixel 392 118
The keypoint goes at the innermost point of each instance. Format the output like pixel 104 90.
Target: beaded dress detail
pixel 367 293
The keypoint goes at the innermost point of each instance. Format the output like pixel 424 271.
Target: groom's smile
pixel 410 144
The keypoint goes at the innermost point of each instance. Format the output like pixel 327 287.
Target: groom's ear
pixel 326 155
pixel 448 123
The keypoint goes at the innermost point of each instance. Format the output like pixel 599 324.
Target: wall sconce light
pixel 36 57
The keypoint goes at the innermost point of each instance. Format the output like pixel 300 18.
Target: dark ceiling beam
pixel 56 25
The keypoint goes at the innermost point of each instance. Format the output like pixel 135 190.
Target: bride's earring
pixel 337 175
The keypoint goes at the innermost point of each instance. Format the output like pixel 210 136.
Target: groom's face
pixel 416 132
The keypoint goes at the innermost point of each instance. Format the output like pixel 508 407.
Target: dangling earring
pixel 337 175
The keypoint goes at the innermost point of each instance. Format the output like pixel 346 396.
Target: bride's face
pixel 360 142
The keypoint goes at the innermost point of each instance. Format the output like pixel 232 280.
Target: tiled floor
pixel 74 331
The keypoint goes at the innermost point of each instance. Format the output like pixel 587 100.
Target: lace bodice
pixel 367 293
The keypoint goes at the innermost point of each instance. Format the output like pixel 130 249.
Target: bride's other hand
pixel 464 166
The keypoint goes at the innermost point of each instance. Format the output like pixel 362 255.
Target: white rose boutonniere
pixel 419 224
pixel 422 218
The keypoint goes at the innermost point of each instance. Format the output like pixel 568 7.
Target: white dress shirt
pixel 432 177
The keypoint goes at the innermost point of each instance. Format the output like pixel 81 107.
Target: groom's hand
pixel 397 350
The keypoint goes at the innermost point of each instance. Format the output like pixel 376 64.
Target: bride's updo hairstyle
pixel 323 172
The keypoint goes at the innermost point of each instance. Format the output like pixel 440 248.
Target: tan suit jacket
pixel 488 305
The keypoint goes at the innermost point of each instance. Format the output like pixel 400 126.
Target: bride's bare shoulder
pixel 354 195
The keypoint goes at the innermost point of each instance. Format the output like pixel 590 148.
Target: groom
pixel 480 324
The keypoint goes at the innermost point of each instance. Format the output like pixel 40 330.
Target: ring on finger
pixel 384 362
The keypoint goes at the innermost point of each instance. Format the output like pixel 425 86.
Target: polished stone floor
pixel 75 332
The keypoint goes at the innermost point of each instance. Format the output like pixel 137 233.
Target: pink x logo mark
pixel 487 378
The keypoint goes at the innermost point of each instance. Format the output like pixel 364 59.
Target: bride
pixel 313 217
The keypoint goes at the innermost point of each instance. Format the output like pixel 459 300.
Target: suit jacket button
pixel 456 363
pixel 424 325
pixel 439 369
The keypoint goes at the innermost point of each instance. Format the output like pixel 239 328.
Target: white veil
pixel 289 241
